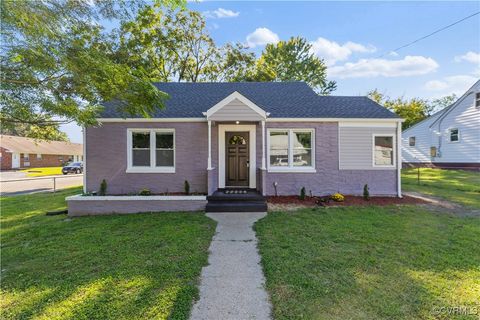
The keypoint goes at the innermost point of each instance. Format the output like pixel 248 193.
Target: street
pixel 16 183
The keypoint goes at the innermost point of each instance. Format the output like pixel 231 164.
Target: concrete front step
pixel 236 206
pixel 236 200
pixel 246 195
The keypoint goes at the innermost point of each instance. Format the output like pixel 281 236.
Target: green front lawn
pixel 369 263
pixel 142 266
pixel 460 186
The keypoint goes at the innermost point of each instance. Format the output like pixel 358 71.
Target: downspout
pixel 443 116
pixel 209 159
pixel 84 131
pixel 399 159
pixel 439 151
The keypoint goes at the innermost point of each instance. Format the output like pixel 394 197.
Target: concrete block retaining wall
pixel 103 205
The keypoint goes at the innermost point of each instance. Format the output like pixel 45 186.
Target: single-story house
pixel 449 138
pixel 20 152
pixel 269 137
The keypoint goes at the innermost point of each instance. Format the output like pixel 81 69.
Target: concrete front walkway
pixel 232 285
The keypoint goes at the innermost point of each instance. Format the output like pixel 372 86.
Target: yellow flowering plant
pixel 338 197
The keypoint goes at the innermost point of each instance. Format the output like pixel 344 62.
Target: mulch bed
pixel 349 201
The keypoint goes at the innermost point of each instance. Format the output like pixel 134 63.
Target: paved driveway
pixel 14 183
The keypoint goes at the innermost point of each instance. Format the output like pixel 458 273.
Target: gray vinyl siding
pixel 356 147
pixel 235 110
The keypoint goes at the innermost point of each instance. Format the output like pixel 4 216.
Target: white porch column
pixel 209 145
pixel 399 159
pixel 263 145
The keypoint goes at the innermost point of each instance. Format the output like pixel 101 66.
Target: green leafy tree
pixel 412 110
pixel 50 132
pixel 233 62
pixel 293 60
pixel 441 103
pixel 168 46
pixel 175 46
pixel 58 63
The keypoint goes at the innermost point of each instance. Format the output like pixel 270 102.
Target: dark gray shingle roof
pixel 281 99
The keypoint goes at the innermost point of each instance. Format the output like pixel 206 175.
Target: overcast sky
pixel 356 40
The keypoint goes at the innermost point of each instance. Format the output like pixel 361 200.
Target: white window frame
pixel 394 146
pixel 39 156
pixel 291 167
pixel 477 100
pixel 450 135
pixel 26 157
pixel 152 168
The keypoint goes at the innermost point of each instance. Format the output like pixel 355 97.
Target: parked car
pixel 73 167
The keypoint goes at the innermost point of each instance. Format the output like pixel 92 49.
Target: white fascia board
pixel 230 98
pixel 363 120
pixel 447 110
pixel 395 120
pixel 104 120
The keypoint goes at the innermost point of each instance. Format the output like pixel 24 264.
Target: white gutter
pixel 152 120
pixel 267 120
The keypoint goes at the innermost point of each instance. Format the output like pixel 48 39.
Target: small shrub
pixel 366 193
pixel 322 201
pixel 103 188
pixel 302 193
pixel 186 186
pixel 337 197
pixel 145 192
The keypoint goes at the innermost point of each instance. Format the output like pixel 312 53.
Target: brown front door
pixel 237 159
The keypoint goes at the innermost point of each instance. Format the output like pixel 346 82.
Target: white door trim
pixel 222 129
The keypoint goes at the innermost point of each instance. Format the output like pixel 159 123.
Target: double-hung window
pixel 454 135
pixel 151 150
pixel 383 151
pixel 477 100
pixel 291 150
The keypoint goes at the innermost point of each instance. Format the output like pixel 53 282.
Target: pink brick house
pixel 267 138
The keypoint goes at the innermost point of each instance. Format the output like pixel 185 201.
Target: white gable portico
pixel 236 113
pixel 236 107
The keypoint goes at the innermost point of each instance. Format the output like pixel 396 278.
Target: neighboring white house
pixel 448 138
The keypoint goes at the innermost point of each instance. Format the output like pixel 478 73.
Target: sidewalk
pixel 232 285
